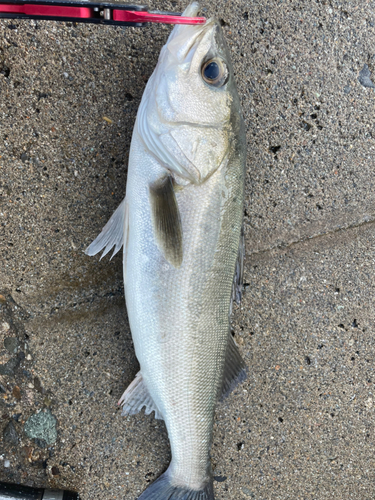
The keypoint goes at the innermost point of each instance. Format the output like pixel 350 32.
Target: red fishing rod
pixel 91 11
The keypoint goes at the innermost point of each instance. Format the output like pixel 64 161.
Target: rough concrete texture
pixel 302 425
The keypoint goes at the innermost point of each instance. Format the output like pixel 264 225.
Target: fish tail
pixel 162 489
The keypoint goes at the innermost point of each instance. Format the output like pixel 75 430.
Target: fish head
pixel 190 112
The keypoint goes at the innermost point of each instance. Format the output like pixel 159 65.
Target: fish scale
pixel 180 224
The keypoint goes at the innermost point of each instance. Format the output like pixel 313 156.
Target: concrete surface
pixel 302 425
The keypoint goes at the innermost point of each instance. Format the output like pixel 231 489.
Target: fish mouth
pixel 191 10
pixel 185 38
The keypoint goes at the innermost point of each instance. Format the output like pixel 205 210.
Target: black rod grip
pixel 10 491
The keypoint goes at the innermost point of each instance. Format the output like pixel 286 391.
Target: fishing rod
pixel 17 492
pixel 91 11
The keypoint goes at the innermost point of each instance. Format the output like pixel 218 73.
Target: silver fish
pixel 180 226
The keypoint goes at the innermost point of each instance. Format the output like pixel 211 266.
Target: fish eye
pixel 215 72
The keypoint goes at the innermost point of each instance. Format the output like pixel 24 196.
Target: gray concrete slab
pixel 302 425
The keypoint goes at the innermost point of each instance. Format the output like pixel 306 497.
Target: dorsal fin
pixel 166 220
pixel 114 233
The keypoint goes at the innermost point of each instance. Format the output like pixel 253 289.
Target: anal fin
pixel 235 369
pixel 136 397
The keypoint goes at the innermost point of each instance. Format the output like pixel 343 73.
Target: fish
pixel 180 226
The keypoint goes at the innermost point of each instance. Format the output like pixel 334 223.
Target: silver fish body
pixel 180 224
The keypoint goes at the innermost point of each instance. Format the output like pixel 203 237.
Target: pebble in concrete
pixel 10 434
pixel 42 426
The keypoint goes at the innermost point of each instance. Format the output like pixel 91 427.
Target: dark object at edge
pixel 10 491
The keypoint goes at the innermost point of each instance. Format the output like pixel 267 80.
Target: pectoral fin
pixel 166 220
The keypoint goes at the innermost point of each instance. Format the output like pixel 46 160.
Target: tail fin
pixel 162 489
